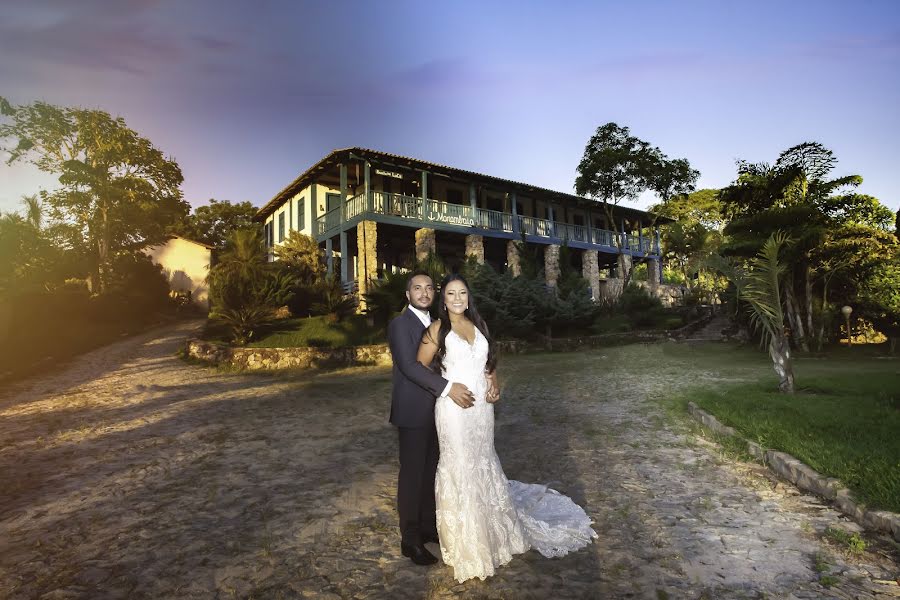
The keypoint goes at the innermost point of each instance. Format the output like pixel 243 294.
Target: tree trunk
pixel 103 249
pixel 794 317
pixel 821 337
pixel 780 351
pixel 807 276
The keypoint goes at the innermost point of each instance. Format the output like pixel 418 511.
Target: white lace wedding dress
pixel 482 518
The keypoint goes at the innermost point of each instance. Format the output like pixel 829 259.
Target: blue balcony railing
pixel 431 212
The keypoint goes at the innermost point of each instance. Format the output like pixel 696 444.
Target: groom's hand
pixel 461 395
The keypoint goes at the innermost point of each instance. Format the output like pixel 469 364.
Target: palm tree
pixel 34 211
pixel 762 291
pixel 244 288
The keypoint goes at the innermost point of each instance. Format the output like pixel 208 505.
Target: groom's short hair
pixel 415 274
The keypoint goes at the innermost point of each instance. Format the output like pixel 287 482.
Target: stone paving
pixel 131 474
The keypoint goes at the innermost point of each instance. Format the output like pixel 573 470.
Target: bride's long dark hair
pixel 472 314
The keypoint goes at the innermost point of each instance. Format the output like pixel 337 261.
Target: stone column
pixel 653 275
pixel 590 270
pixel 366 244
pixel 475 247
pixel 425 243
pixel 625 262
pixel 551 264
pixel 512 258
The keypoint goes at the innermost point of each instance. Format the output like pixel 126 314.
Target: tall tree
pixel 616 166
pixel 701 206
pixel 213 223
pixel 825 219
pixel 117 191
pixel 670 178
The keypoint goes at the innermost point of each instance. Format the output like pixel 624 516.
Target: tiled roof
pixel 307 176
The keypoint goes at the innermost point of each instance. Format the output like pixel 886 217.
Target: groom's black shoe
pixel 418 554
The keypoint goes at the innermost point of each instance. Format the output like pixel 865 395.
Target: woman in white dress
pixel 482 518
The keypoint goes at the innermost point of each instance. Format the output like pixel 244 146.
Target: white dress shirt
pixel 425 317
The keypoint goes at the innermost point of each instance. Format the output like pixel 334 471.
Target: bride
pixel 482 518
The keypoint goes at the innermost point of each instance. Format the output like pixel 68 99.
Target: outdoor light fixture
pixel 846 310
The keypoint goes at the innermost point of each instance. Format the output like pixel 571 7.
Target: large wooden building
pixel 379 211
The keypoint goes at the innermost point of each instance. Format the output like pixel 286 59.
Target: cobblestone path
pixel 131 474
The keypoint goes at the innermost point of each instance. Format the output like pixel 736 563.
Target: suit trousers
pixel 415 484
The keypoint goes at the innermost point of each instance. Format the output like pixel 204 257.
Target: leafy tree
pixel 214 222
pixel 692 239
pixel 303 256
pixel 826 221
pixel 118 192
pixel 669 178
pixel 880 300
pixel 30 258
pixel 702 206
pixel 618 166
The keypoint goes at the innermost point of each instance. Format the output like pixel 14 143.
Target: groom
pixel 412 412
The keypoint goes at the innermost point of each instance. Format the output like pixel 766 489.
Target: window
pixel 269 234
pixel 301 214
pixel 290 221
pixel 332 201
pixel 281 227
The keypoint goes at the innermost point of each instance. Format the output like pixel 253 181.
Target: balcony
pixel 432 213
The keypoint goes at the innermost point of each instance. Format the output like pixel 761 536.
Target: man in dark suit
pixel 415 389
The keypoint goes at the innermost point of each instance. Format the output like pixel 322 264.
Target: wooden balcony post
pixel 367 186
pixel 329 257
pixel 640 237
pixel 515 212
pixel 346 273
pixel 343 211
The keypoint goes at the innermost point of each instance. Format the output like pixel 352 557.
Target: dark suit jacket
pixel 415 387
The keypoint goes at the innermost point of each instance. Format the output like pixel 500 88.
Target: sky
pixel 246 95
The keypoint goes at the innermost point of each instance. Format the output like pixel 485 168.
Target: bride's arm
pixel 457 392
pixel 428 345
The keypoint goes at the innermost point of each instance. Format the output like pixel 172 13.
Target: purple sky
pixel 247 95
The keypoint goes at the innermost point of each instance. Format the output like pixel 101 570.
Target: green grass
pixel 843 421
pixel 851 541
pixel 311 331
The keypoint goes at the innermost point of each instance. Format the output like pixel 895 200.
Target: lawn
pixel 843 421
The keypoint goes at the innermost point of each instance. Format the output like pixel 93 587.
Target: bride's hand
pixel 493 389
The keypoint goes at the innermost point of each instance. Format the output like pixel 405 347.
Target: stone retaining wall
pixel 254 359
pixel 808 479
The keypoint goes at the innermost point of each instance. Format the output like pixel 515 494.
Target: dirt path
pixel 134 475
